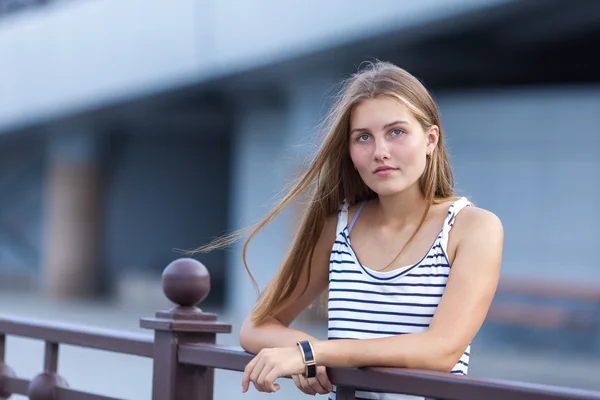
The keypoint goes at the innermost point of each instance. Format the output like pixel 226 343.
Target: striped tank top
pixel 368 304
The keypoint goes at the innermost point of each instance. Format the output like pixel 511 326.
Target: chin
pixel 388 190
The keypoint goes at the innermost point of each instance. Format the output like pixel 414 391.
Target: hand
pixel 271 364
pixel 320 384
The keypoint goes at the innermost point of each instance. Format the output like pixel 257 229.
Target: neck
pixel 402 209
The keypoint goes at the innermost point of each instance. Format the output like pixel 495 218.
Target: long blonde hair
pixel 331 178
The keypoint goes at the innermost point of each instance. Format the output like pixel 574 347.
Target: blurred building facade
pixel 132 128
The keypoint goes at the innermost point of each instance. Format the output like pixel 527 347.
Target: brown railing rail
pixel 415 382
pixel 185 356
pixel 76 335
pixel 50 385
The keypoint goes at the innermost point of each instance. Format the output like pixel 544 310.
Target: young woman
pixel 410 268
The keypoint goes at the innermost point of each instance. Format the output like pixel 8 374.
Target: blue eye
pixel 362 138
pixel 397 132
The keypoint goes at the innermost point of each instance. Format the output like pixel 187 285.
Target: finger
pixel 261 379
pixel 247 372
pixel 254 376
pixel 316 386
pixel 305 386
pixel 270 379
pixel 300 384
pixel 324 379
pixel 296 380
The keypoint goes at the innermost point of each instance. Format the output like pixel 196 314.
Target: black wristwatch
pixel 308 356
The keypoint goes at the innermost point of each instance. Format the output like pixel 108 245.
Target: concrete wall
pixel 77 55
pixel 531 156
pixel 21 198
pixel 167 193
pixel 163 193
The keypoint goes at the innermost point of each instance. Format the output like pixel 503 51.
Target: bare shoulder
pixel 328 233
pixel 473 222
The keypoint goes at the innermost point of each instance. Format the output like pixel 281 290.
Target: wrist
pixel 320 351
pixel 308 358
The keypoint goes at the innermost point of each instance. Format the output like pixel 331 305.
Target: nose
pixel 382 151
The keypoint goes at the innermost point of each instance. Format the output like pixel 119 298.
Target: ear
pixel 433 136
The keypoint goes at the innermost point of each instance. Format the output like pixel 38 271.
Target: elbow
pixel 250 335
pixel 444 357
pixel 436 362
pixel 448 358
pixel 246 335
pixel 447 364
pixel 439 362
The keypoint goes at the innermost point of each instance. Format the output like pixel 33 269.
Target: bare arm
pixel 275 332
pixel 272 333
pixel 461 312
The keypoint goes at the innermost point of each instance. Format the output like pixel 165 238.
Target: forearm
pixel 418 351
pixel 271 333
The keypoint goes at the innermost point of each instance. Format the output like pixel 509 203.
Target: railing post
pixel 186 282
pixel 43 386
pixel 5 370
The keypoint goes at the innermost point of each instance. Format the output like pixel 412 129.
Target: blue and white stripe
pixel 367 304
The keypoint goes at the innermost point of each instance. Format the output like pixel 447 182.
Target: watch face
pixel 307 350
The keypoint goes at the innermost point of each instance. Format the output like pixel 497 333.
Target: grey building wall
pixel 531 156
pixel 163 193
pixel 21 205
pixel 167 193
pixel 72 56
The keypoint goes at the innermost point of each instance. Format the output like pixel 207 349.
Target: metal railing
pixel 185 356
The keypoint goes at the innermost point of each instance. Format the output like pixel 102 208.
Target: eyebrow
pixel 400 122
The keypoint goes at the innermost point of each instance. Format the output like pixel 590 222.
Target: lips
pixel 384 169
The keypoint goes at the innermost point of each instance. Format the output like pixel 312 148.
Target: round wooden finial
pixel 186 282
pixel 5 371
pixel 43 386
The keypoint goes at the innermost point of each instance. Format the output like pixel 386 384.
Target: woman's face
pixel 388 146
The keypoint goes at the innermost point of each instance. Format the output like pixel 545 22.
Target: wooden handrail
pixel 20 386
pixel 76 335
pixel 15 385
pixel 397 380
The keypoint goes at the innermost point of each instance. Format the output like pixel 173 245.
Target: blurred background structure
pixel 131 128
